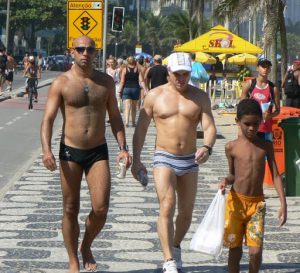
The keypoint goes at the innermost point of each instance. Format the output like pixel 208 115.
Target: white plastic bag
pixel 208 238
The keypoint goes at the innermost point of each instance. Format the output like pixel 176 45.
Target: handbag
pixel 208 238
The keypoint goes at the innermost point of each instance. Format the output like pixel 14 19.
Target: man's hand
pixel 136 167
pixel 201 155
pixel 124 157
pixel 49 161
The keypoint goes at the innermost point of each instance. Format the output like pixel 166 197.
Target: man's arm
pixel 276 102
pixel 277 183
pixel 117 125
pixel 245 89
pixel 140 132
pixel 52 105
pixel 209 130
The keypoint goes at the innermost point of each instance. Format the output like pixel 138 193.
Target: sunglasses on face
pixel 82 49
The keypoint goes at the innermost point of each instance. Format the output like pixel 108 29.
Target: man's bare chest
pixel 80 95
pixel 177 108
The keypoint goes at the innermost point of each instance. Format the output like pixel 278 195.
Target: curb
pixel 14 93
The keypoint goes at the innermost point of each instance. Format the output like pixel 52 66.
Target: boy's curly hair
pixel 248 107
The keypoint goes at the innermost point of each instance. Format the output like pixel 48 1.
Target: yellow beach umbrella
pixel 165 61
pixel 205 58
pixel 243 59
pixel 221 56
pixel 219 40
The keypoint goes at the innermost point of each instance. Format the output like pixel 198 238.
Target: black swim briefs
pixel 85 158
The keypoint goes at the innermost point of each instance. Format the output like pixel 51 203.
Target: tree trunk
pixel 190 10
pixel 32 37
pixel 201 22
pixel 283 41
pixel 273 51
pixel 254 29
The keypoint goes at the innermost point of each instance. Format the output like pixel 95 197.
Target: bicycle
pixel 32 90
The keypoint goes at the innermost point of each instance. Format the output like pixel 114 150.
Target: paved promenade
pixel 30 220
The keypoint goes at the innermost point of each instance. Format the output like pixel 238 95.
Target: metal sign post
pixel 104 36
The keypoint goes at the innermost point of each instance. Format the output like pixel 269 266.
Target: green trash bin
pixel 291 129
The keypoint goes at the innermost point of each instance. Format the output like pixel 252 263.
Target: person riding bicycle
pixel 32 73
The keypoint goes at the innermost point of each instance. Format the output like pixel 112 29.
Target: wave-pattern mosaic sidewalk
pixel 30 222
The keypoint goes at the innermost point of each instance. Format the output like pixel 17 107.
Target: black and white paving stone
pixel 30 222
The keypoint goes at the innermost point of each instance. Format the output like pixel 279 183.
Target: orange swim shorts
pixel 244 216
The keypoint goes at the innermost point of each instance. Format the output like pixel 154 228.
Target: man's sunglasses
pixel 81 49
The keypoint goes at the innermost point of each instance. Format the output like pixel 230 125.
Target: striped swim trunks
pixel 180 164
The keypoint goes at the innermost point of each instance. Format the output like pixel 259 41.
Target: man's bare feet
pixel 89 262
pixel 74 268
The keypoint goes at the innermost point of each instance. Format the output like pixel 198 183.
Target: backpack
pixel 291 87
pixel 3 61
pixel 271 85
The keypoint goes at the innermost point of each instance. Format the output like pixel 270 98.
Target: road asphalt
pixel 31 211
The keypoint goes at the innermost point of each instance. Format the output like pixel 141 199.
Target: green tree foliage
pixel 44 14
pixel 29 16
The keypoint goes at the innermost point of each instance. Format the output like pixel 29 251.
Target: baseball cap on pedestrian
pixel 264 62
pixel 31 58
pixel 179 61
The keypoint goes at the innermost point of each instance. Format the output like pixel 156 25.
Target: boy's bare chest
pixel 249 154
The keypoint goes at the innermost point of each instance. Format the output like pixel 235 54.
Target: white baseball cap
pixel 179 61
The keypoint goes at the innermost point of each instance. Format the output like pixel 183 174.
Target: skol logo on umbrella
pixel 222 42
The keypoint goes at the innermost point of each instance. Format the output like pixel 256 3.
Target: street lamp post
pixel 7 24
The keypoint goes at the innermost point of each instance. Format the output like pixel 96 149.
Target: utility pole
pixel 138 21
pixel 7 24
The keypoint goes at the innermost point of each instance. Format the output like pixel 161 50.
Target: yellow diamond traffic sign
pixel 85 18
pixel 85 23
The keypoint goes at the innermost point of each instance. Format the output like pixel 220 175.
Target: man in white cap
pixel 176 108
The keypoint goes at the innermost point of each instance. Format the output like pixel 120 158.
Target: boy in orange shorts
pixel 245 205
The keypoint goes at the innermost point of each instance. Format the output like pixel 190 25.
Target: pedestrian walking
pixel 198 74
pixel 83 95
pixel 291 85
pixel 245 204
pixel 32 74
pixel 266 94
pixel 129 89
pixel 176 108
pixel 10 67
pixel 3 63
pixel 157 74
pixel 112 71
